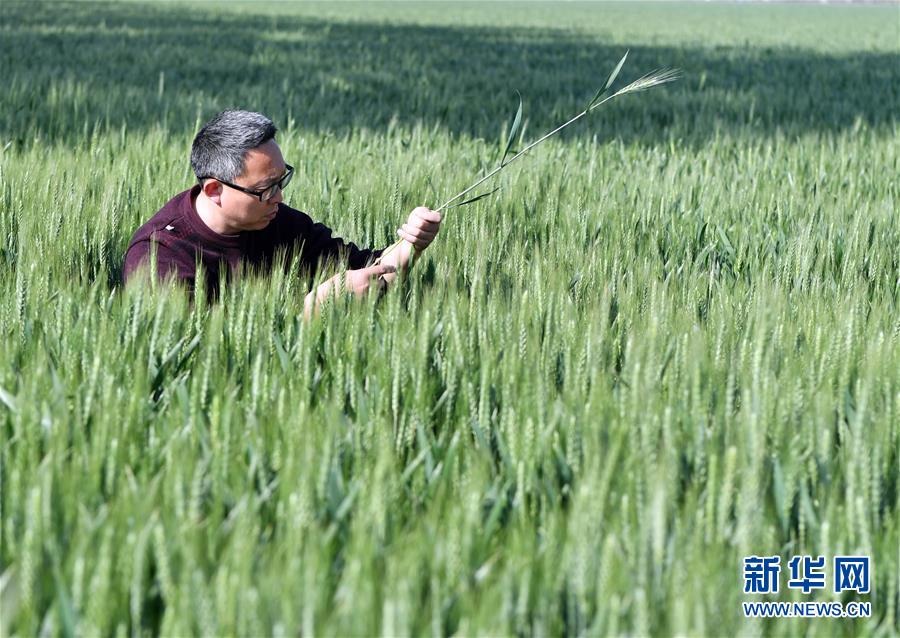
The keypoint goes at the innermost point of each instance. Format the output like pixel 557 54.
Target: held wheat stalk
pixel 648 81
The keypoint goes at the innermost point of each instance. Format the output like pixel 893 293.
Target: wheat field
pixel 670 341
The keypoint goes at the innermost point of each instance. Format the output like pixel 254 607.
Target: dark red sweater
pixel 181 238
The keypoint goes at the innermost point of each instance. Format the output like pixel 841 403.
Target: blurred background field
pixel 670 341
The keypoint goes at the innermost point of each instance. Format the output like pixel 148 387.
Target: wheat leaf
pixel 513 130
pixel 609 81
pixel 475 199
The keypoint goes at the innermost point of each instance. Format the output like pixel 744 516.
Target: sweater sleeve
pixel 323 246
pixel 319 245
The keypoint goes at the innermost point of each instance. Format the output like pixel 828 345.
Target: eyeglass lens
pixel 270 192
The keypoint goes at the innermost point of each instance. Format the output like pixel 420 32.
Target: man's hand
pixel 356 282
pixel 421 227
pixel 418 232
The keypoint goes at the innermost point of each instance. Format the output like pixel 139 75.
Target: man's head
pixel 233 153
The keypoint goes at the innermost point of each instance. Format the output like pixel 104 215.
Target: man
pixel 236 215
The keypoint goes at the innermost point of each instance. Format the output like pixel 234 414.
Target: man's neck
pixel 210 216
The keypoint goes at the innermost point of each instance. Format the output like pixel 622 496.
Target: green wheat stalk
pixel 643 83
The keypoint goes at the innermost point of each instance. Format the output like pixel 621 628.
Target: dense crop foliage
pixel 670 341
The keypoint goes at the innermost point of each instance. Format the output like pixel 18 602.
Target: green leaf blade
pixel 475 199
pixel 513 130
pixel 609 81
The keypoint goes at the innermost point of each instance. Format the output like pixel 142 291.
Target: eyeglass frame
pixel 278 186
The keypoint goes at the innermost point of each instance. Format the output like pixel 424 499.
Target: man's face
pixel 263 166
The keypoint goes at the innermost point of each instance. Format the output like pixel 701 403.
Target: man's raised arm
pixel 417 234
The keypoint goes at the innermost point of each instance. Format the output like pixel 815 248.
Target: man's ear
pixel 213 191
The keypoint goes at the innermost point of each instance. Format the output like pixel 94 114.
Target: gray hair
pixel 222 144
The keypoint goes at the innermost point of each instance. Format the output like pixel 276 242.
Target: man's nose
pixel 277 198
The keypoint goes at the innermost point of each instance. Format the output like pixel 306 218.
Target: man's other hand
pixel 356 282
pixel 421 227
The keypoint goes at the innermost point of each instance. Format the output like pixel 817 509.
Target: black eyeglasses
pixel 267 193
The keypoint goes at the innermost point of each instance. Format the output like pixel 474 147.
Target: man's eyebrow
pixel 268 181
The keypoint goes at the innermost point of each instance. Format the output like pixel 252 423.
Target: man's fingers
pixel 372 271
pixel 418 242
pixel 378 270
pixel 427 214
pixel 421 227
pixel 421 233
pixel 355 282
pixel 364 276
pixel 418 222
